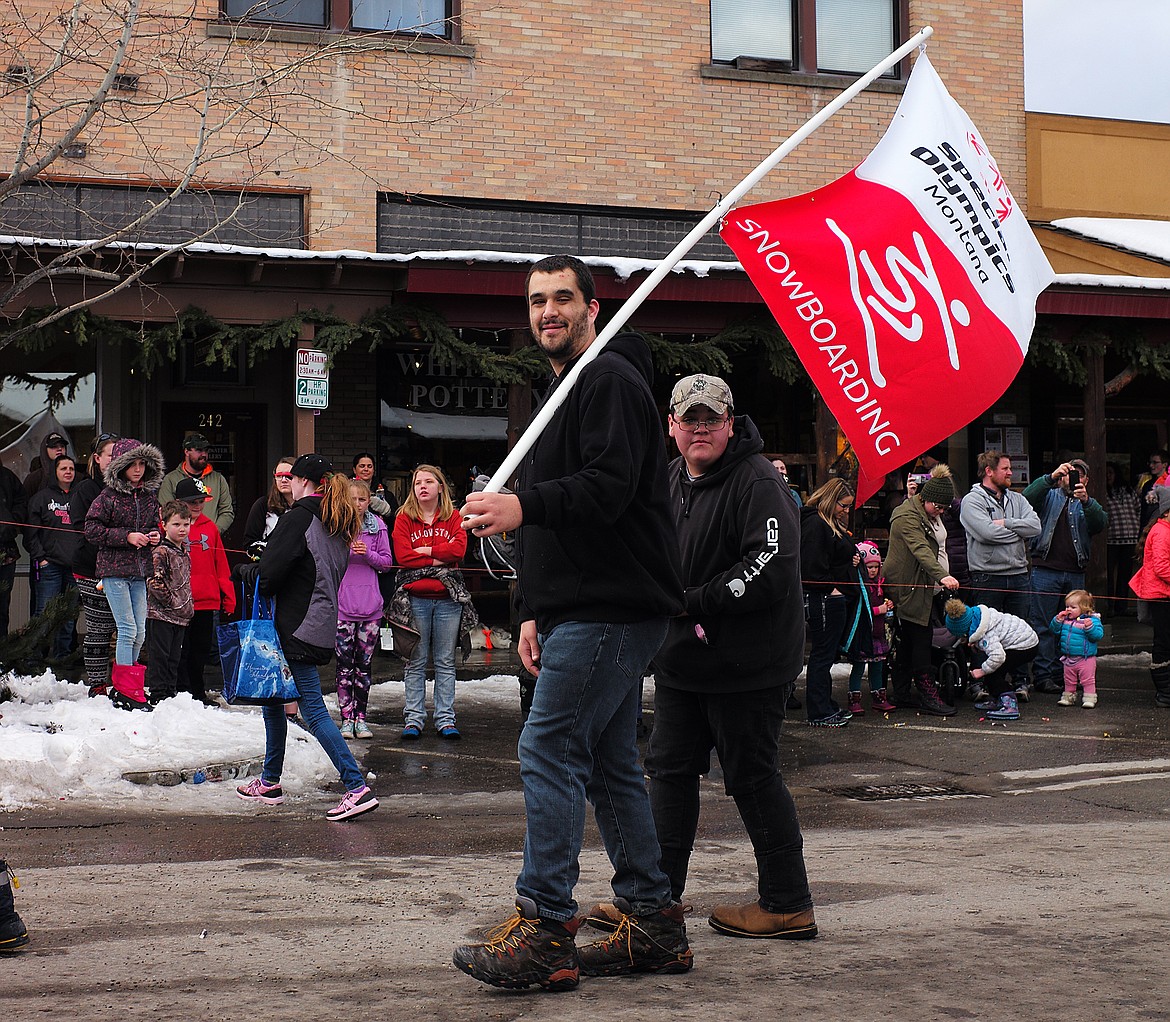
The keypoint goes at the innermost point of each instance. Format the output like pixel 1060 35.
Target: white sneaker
pixel 360 729
pixel 1089 701
pixel 347 730
pixel 1067 699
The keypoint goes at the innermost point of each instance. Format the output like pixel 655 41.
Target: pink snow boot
pixel 129 691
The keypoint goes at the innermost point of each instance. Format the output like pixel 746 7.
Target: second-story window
pixel 825 36
pixel 409 17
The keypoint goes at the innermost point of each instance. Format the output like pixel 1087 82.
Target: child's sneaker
pixel 361 729
pixel 1089 701
pixel 352 804
pixel 257 791
pixel 1068 699
pixel 855 703
pixel 347 730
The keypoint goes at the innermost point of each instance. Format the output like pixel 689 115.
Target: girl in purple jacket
pixel 122 523
pixel 359 614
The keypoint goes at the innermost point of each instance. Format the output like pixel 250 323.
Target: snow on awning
pixel 622 267
pixel 1149 238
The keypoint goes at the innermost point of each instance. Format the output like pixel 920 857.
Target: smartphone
pixel 1074 478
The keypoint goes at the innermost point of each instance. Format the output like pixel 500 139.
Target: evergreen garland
pixel 1124 343
pixel 158 345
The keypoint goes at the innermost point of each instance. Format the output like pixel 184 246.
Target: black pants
pixel 164 643
pixel 744 730
pixel 827 620
pixel 1014 665
pixel 196 650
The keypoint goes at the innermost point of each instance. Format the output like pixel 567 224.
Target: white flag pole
pixel 524 444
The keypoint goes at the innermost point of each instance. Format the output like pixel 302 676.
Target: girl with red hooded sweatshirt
pixel 429 542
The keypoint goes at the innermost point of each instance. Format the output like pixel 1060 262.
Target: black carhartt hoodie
pixel 598 542
pixel 740 541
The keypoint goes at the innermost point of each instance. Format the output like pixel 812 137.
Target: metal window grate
pixel 530 227
pixel 54 209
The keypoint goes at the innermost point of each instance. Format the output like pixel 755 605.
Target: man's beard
pixel 197 464
pixel 570 342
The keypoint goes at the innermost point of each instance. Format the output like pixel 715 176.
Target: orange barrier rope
pixel 804 582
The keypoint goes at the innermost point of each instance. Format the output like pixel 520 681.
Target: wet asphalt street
pixel 930 842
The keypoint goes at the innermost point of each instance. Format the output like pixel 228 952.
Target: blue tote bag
pixel 255 672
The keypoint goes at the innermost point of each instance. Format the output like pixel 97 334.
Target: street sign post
pixel 312 384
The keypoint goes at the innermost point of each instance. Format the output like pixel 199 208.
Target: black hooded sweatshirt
pixel 740 540
pixel 598 543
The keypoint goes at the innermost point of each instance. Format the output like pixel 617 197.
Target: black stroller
pixel 948 653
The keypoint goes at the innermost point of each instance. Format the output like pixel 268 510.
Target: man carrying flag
pixel 914 270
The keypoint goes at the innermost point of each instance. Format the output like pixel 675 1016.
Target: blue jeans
pixel 826 628
pixel 580 742
pixel 320 725
pixel 1048 591
pixel 438 628
pixel 52 580
pixel 127 600
pixel 744 730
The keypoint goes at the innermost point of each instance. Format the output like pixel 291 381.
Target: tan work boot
pixel 753 921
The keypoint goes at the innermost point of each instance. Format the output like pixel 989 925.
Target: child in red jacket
pixel 211 586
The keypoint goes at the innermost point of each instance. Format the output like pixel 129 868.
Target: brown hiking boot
pixel 605 915
pixel 523 951
pixel 651 943
pixel 753 921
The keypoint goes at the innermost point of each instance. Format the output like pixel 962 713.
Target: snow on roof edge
pixel 1148 238
pixel 622 266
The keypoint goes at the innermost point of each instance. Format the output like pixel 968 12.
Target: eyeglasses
pixel 710 425
pixel 844 503
pixel 282 475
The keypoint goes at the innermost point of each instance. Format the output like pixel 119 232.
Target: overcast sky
pixel 1098 58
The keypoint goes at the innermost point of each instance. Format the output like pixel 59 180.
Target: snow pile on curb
pixel 57 743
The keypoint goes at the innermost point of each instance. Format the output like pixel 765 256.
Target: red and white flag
pixel 907 287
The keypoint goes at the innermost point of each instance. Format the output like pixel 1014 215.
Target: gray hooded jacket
pixel 997 549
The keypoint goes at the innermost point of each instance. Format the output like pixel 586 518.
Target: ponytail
pixel 339 514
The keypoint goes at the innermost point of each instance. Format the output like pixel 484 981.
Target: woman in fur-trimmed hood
pixel 122 523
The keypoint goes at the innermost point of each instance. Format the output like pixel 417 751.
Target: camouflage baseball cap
pixel 700 389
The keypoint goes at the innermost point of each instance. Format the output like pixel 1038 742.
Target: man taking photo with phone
pixel 1069 517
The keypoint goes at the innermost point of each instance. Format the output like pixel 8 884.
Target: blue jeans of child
pixel 580 742
pixel 53 579
pixel 127 600
pixel 320 724
pixel 744 730
pixel 438 628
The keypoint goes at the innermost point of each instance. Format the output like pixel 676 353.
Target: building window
pixel 812 36
pixel 436 223
pixel 70 209
pixel 411 17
